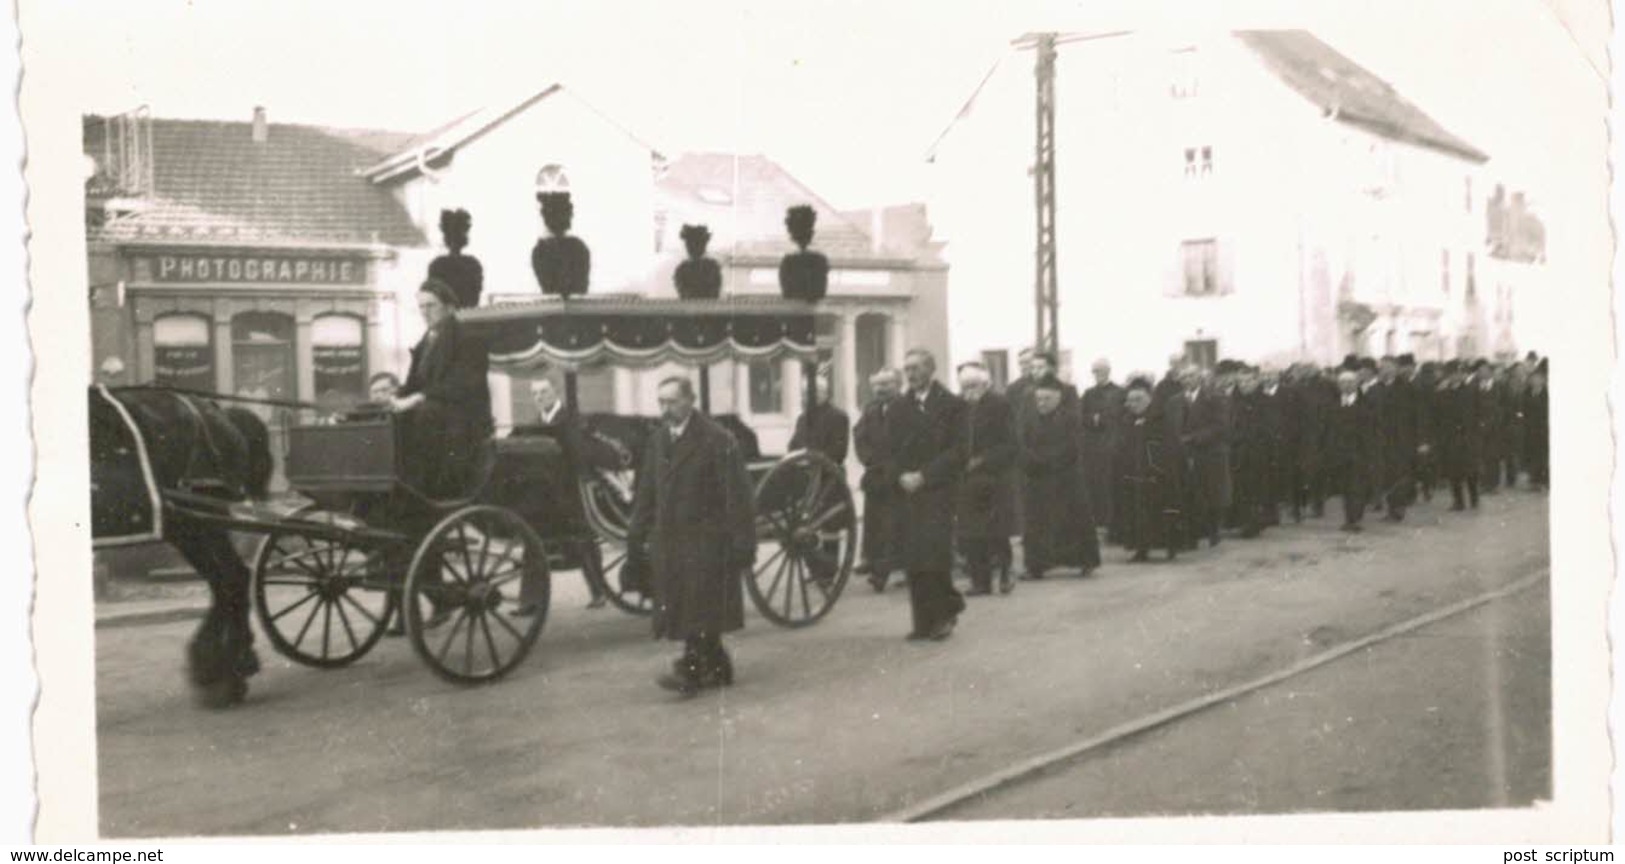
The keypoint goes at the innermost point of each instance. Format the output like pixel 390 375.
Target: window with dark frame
pixel 1200 259
pixel 183 351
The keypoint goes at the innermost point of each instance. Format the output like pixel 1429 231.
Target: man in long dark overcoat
pixel 1537 434
pixel 925 445
pixel 1142 518
pixel 986 494
pixel 1102 412
pixel 695 517
pixel 1057 531
pixel 1350 443
pixel 1204 443
pixel 879 480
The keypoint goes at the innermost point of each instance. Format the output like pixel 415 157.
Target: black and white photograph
pixel 1009 420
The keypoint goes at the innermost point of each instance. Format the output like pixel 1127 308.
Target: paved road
pixel 840 722
pixel 1455 715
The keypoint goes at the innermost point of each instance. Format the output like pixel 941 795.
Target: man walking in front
pixel 925 446
pixel 695 516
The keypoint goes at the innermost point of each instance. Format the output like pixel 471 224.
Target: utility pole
pixel 1045 299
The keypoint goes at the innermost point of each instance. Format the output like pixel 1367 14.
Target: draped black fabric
pixel 642 332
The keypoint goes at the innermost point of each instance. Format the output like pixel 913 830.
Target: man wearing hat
pixel 1491 425
pixel 1102 410
pixel 1455 429
pixel 1350 440
pixel 1143 518
pixel 1536 414
pixel 1203 440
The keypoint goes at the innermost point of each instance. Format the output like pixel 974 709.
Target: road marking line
pixel 1026 768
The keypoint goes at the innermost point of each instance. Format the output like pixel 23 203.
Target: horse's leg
pixel 221 655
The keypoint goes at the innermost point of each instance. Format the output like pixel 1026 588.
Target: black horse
pixel 193 452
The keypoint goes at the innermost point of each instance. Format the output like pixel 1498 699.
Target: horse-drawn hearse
pixel 469 575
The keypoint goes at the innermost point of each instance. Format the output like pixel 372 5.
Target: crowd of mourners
pixel 1159 465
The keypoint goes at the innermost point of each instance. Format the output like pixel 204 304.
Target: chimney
pixel 877 230
pixel 261 132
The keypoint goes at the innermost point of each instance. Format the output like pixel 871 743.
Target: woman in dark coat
pixel 695 517
pixel 445 402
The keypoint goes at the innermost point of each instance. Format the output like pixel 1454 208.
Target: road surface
pixel 846 722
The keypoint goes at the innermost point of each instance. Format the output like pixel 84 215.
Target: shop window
pixel 183 352
pixel 766 381
pixel 339 360
pixel 262 347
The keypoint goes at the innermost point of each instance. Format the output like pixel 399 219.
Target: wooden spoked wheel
pixel 625 596
pixel 320 602
pixel 477 594
pixel 805 516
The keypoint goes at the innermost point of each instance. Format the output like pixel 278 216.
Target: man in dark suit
pixel 1141 465
pixel 1455 425
pixel 559 421
pixel 1102 411
pixel 925 448
pixel 1305 425
pixel 1536 419
pixel 1492 425
pixel 694 516
pixel 1203 440
pixel 985 521
pixel 1350 431
pixel 1272 401
pixel 1398 438
pixel 825 429
pixel 879 481
pixel 1249 455
pixel 1020 391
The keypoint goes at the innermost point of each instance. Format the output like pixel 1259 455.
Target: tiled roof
pixel 213 184
pixel 743 200
pixel 1337 84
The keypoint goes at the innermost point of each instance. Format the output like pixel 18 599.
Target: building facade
pixel 280 260
pixel 1250 194
pixel 243 258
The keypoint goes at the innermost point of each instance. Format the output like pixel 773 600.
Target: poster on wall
pixel 341 375
pixel 189 367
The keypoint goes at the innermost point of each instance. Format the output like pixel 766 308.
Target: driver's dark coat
pixel 695 512
pixel 929 438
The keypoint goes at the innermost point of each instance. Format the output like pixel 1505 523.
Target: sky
pixel 848 95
